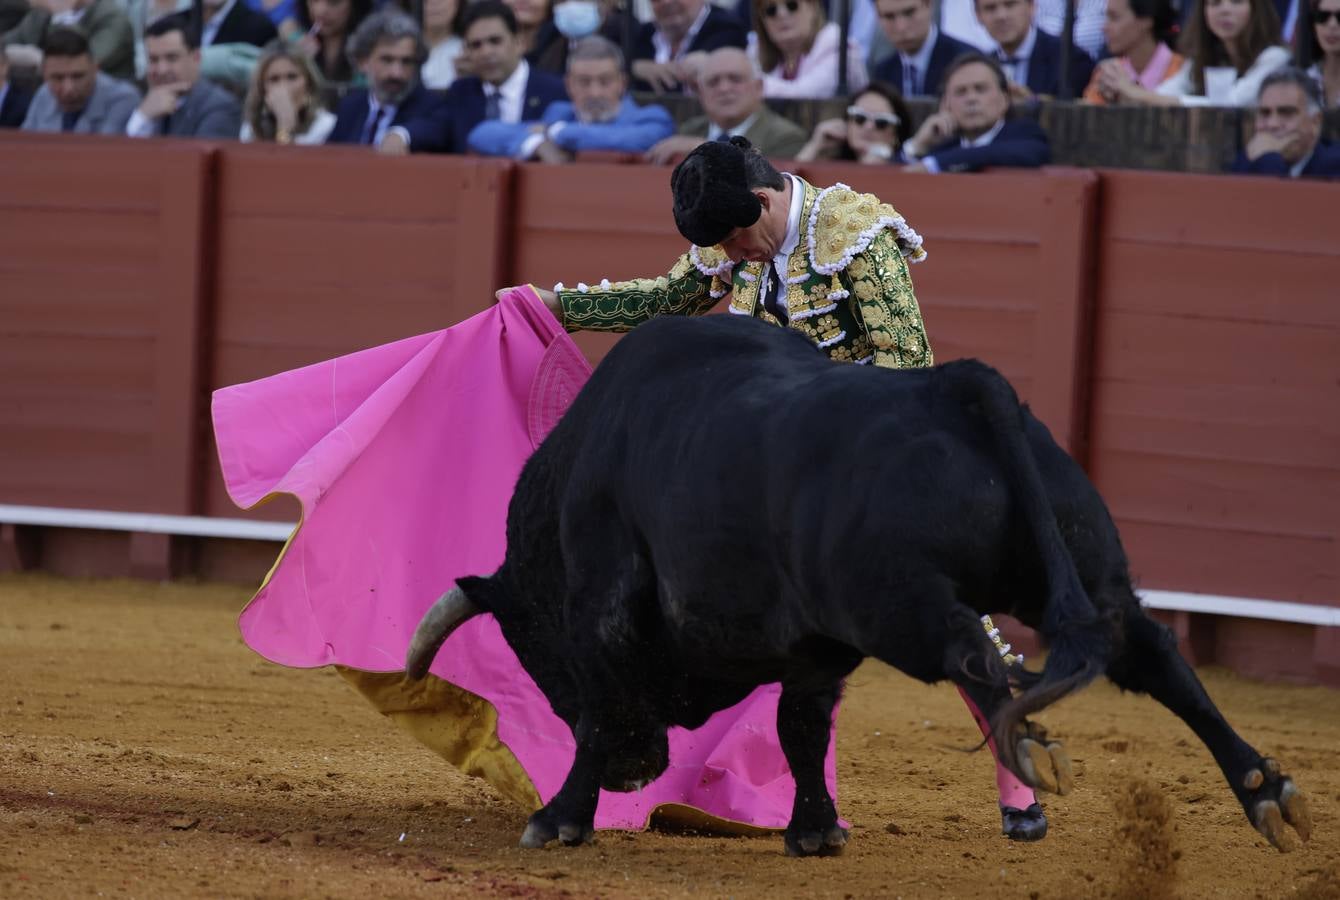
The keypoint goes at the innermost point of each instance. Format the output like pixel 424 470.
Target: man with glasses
pixel 730 89
pixel 504 87
pixel 1288 131
pixel 923 52
pixel 669 49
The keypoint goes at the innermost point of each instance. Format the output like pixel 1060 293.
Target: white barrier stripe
pixel 154 523
pixel 211 526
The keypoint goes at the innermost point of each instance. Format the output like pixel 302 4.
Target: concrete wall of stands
pixel 1179 333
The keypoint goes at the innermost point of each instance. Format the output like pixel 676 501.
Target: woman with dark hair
pixel 1319 49
pixel 797 50
pixel 1230 47
pixel 283 105
pixel 328 24
pixel 1138 35
pixel 872 132
pixel 531 16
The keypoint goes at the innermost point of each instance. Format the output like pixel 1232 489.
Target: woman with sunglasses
pixel 1230 46
pixel 1139 35
pixel 797 50
pixel 872 132
pixel 1319 49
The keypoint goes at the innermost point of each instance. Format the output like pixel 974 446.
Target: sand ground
pixel 146 752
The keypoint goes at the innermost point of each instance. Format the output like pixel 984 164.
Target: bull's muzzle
pixel 445 616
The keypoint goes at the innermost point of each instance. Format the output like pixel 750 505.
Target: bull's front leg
pixel 804 727
pixel 570 814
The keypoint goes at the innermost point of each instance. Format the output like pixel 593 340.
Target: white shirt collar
pixel 788 246
pixel 1025 50
pixel 662 44
pixel 1296 170
pixel 984 139
pixel 511 93
pixel 714 132
pixel 215 22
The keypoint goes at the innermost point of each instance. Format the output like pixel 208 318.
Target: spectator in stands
pixel 973 129
pixel 504 86
pixel 1230 47
pixel 327 25
pixel 283 104
pixel 797 50
pixel 144 13
pixel 110 37
pixel 730 89
pixel 922 52
pixel 872 132
pixel 1030 57
pixel 670 48
pixel 442 34
pixel 394 113
pixel 233 22
pixel 573 20
pixel 1288 131
pixel 180 103
pixel 1319 49
pixel 601 115
pixel 1137 33
pixel 531 15
pixel 14 99
pixel 74 95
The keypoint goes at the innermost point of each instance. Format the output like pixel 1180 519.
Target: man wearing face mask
pixel 600 116
pixel 573 20
pixel 395 113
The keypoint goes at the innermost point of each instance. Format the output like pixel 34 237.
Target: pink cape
pixel 404 458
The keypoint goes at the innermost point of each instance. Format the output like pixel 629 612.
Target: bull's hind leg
pixel 804 726
pixel 570 815
pixel 1149 663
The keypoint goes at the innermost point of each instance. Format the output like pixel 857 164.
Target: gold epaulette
pixel 843 223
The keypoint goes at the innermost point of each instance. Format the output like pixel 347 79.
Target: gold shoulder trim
pixel 843 223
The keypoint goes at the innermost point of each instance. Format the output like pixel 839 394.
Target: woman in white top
pixel 1230 47
pixel 283 105
pixel 798 53
pixel 442 34
pixel 1319 48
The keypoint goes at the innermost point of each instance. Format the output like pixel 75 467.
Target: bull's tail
pixel 1077 639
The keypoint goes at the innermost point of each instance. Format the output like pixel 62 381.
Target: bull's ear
pixel 480 591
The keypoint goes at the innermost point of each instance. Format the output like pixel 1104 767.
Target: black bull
pixel 723 507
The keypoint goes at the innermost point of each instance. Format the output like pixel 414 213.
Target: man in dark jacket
pixel 1030 57
pixel 180 103
pixel 668 49
pixel 922 52
pixel 1288 130
pixel 973 130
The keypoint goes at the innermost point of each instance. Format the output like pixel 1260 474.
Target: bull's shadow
pixel 723 507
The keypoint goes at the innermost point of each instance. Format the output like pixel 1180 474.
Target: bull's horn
pixel 451 609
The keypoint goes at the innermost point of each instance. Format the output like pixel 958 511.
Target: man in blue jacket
pixel 1288 130
pixel 600 116
pixel 922 52
pixel 1030 57
pixel 972 130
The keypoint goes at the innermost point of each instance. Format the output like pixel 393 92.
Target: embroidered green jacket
pixel 847 284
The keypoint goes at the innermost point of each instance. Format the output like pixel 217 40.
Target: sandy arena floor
pixel 145 752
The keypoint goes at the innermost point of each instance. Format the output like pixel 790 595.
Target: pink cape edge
pixel 403 458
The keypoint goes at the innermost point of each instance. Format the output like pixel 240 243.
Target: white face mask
pixel 576 18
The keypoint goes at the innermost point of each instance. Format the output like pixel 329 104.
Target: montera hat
pixel 711 192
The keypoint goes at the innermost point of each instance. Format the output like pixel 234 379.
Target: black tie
pixel 910 86
pixel 772 301
pixel 68 120
pixel 491 108
pixel 373 125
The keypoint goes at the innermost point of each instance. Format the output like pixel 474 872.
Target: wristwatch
pixel 283 136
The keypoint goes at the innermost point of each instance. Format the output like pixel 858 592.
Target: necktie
pixel 373 125
pixel 68 120
pixel 910 86
pixel 772 301
pixel 492 110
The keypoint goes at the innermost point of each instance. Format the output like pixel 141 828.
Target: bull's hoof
pixel 1023 824
pixel 828 842
pixel 544 828
pixel 1273 801
pixel 1045 766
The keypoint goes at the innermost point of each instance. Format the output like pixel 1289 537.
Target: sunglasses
pixel 1322 16
pixel 773 10
pixel 883 121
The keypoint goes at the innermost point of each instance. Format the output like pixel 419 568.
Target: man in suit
pixel 504 86
pixel 111 38
pixel 669 49
pixel 601 115
pixel 180 103
pixel 730 89
pixel 14 100
pixel 1030 57
pixel 395 114
pixel 972 130
pixel 1288 130
pixel 922 52
pixel 76 97
pixel 233 22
